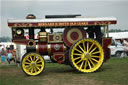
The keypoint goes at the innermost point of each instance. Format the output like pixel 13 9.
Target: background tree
pixel 5 39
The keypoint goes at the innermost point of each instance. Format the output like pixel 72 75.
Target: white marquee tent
pixel 119 35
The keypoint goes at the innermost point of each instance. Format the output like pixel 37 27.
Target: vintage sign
pixel 60 24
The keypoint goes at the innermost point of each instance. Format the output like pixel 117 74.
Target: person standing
pixel 10 57
pixel 95 32
pixel 3 53
pixel 118 43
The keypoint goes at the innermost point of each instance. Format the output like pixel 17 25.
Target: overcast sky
pixel 19 9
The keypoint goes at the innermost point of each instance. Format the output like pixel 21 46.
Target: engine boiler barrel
pixel 45 48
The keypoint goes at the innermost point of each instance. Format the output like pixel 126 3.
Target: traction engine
pixel 80 44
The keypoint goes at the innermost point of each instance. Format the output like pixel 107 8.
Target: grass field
pixel 113 72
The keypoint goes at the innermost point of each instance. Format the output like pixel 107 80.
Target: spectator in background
pixel 118 43
pixel 0 49
pixel 10 57
pixel 7 48
pixel 125 43
pixel 3 54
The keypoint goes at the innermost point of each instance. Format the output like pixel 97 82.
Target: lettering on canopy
pixel 74 23
pixel 59 24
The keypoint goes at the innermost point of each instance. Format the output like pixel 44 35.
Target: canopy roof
pixel 62 22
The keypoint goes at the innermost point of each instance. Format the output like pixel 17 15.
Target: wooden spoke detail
pixel 87 55
pixel 32 64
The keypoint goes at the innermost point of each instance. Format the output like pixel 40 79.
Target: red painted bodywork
pixel 53 48
pixel 105 43
pixel 21 41
pixel 59 57
pixel 72 35
pixel 42 48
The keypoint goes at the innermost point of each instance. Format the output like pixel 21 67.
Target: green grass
pixel 113 72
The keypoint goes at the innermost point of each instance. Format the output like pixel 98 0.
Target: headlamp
pixel 19 32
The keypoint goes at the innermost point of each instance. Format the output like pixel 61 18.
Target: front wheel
pixel 86 55
pixel 32 64
pixel 123 54
pixel 118 54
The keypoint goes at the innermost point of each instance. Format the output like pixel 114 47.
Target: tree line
pixel 117 30
pixel 5 39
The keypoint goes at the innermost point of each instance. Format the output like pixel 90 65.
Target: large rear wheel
pixel 32 64
pixel 86 55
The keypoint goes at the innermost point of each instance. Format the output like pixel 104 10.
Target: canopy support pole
pixel 107 30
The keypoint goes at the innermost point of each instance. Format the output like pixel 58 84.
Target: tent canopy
pixel 119 35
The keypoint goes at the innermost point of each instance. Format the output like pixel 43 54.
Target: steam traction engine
pixel 81 44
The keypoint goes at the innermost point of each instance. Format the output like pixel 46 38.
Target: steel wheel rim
pixel 87 55
pixel 33 64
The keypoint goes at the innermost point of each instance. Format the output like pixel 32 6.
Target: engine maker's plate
pixel 71 35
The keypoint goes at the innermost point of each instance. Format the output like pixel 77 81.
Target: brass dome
pixel 31 16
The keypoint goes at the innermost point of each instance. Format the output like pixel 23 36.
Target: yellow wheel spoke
pixel 29 68
pixel 27 63
pixel 81 48
pixel 38 65
pixel 78 50
pixel 81 64
pixel 91 47
pixel 78 61
pixel 94 60
pixel 76 58
pixel 84 45
pixel 93 50
pixel 34 58
pixel 96 52
pixel 32 70
pixel 95 56
pixel 87 46
pixel 76 54
pixel 89 65
pixel 37 59
pixel 35 69
pixel 85 64
pixel 39 62
pixel 31 58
